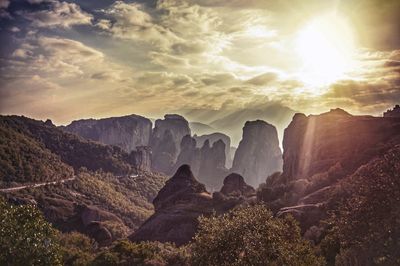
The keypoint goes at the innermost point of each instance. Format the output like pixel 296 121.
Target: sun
pixel 326 48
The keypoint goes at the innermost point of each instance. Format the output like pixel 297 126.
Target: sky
pixel 67 60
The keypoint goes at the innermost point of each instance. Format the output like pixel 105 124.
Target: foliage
pixel 24 159
pixel 72 150
pixel 77 249
pixel 251 236
pixel 146 253
pixel 365 228
pixel 26 238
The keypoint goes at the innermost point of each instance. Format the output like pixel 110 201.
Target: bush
pixel 146 253
pixel 76 249
pixel 26 238
pixel 251 236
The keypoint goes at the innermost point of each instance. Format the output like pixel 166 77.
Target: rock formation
pixel 316 143
pixel 181 201
pixel 395 112
pixel 142 158
pixel 207 162
pixel 126 132
pixel 212 164
pixel 320 152
pixel 214 137
pixel 177 206
pixel 166 140
pixel 258 154
pixel 234 185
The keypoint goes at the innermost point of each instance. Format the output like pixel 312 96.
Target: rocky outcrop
pixel 234 185
pixel 214 137
pixel 181 201
pixel 177 206
pixel 320 153
pixel 207 162
pixel 141 158
pixel 166 140
pixel 395 112
pixel 316 143
pixel 258 154
pixel 212 164
pixel 126 132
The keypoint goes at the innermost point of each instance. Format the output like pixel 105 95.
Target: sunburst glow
pixel 326 47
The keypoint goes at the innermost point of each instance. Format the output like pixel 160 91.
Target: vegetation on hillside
pixel 24 159
pixel 71 149
pixel 251 236
pixel 364 229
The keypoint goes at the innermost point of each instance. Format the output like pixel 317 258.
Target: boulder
pixel 234 185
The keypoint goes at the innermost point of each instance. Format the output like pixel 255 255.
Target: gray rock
pixel 126 132
pixel 258 154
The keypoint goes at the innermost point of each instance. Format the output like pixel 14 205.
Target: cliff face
pixel 141 158
pixel 321 152
pixel 179 204
pixel 212 164
pixel 316 143
pixel 207 162
pixel 214 137
pixel 258 154
pixel 126 132
pixel 165 141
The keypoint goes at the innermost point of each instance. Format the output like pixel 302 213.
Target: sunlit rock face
pixel 321 155
pixel 126 132
pixel 165 142
pixel 182 200
pixel 316 143
pixel 258 154
pixel 214 137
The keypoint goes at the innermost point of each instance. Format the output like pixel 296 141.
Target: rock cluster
pixel 181 201
pixel 207 162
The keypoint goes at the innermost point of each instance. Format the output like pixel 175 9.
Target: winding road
pixel 12 189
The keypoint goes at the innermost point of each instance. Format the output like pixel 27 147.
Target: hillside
pixel 71 149
pixel 105 196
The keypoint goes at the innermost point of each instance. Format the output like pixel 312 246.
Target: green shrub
pixel 251 236
pixel 26 238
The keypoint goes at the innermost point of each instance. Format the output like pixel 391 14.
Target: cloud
pixel 263 79
pixel 4 3
pixel 60 14
pixel 132 22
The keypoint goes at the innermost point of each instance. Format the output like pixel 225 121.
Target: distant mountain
pixel 231 122
pixel 200 128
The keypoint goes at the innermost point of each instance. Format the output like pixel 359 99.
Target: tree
pixel 26 238
pixel 77 249
pixel 251 236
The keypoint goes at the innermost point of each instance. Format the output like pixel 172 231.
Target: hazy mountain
pixel 231 122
